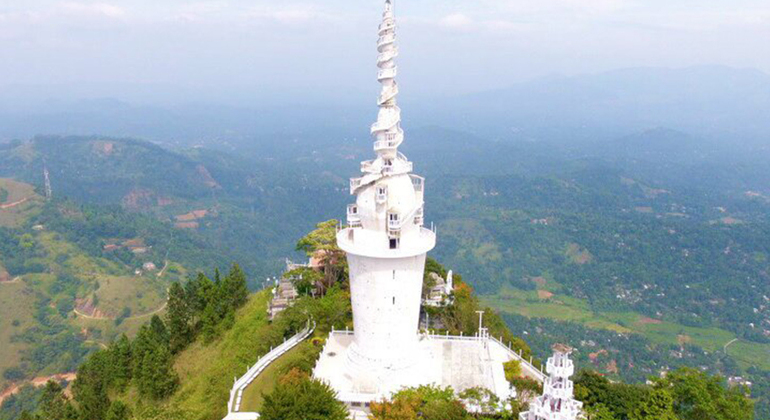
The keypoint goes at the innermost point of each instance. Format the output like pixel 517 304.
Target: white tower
pixel 385 240
pixel 557 402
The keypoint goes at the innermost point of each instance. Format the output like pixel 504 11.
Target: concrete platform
pixel 446 361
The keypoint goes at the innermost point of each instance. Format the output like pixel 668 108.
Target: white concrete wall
pixel 385 294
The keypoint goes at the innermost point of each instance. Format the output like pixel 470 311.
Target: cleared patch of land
pixel 140 295
pixel 19 201
pixel 579 255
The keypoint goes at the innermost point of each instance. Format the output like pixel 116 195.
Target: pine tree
pixel 209 321
pixel 158 379
pixel 178 318
pixel 238 289
pixel 199 292
pixel 159 330
pixel 122 362
pixel 54 405
pixel 90 389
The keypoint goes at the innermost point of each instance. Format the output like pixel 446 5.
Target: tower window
pixel 394 300
pixel 394 243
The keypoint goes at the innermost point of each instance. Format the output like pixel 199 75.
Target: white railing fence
pixel 526 364
pixel 236 393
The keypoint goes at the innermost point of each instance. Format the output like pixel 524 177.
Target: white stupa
pixel 557 402
pixel 385 240
pixel 386 245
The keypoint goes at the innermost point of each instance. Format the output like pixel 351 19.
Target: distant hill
pixel 720 102
pixel 717 102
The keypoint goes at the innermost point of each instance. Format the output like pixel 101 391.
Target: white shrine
pixel 386 245
pixel 557 402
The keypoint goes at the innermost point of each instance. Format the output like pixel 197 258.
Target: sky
pixel 296 46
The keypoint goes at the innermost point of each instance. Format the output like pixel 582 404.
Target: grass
pixel 207 371
pixel 265 382
pixel 565 308
pixel 17 302
pixel 140 294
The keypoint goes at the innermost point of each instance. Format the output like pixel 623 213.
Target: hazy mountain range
pixel 711 102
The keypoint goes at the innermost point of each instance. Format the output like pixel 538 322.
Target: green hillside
pixel 248 210
pixel 62 295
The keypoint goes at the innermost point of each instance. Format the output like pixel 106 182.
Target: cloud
pixel 457 21
pixel 93 9
pixel 293 15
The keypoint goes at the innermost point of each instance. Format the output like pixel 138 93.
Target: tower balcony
pixel 386 123
pixel 386 56
pixel 355 183
pixel 386 26
pixel 391 141
pixel 386 39
pixel 419 186
pixel 563 390
pixel 354 218
pixel 561 368
pixel 387 94
pixel 368 166
pixel 390 73
pixel 419 216
pixel 399 166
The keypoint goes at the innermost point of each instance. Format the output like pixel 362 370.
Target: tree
pixel 425 402
pixel 236 287
pixel 178 318
pixel 322 245
pixel 620 399
pixel 297 397
pixel 512 370
pixel 158 379
pixel 159 330
pixel 121 362
pixel 209 321
pixel 659 406
pixel 54 405
pixel 199 291
pixel 699 396
pixel 118 411
pixel 599 412
pixel 25 415
pixel 90 388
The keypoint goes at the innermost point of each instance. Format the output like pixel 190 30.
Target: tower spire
pixel 387 131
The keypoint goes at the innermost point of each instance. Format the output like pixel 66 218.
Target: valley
pixel 638 255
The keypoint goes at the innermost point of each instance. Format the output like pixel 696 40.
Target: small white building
pixel 557 402
pixel 441 293
pixel 284 295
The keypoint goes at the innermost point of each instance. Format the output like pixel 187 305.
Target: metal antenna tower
pixel 48 190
